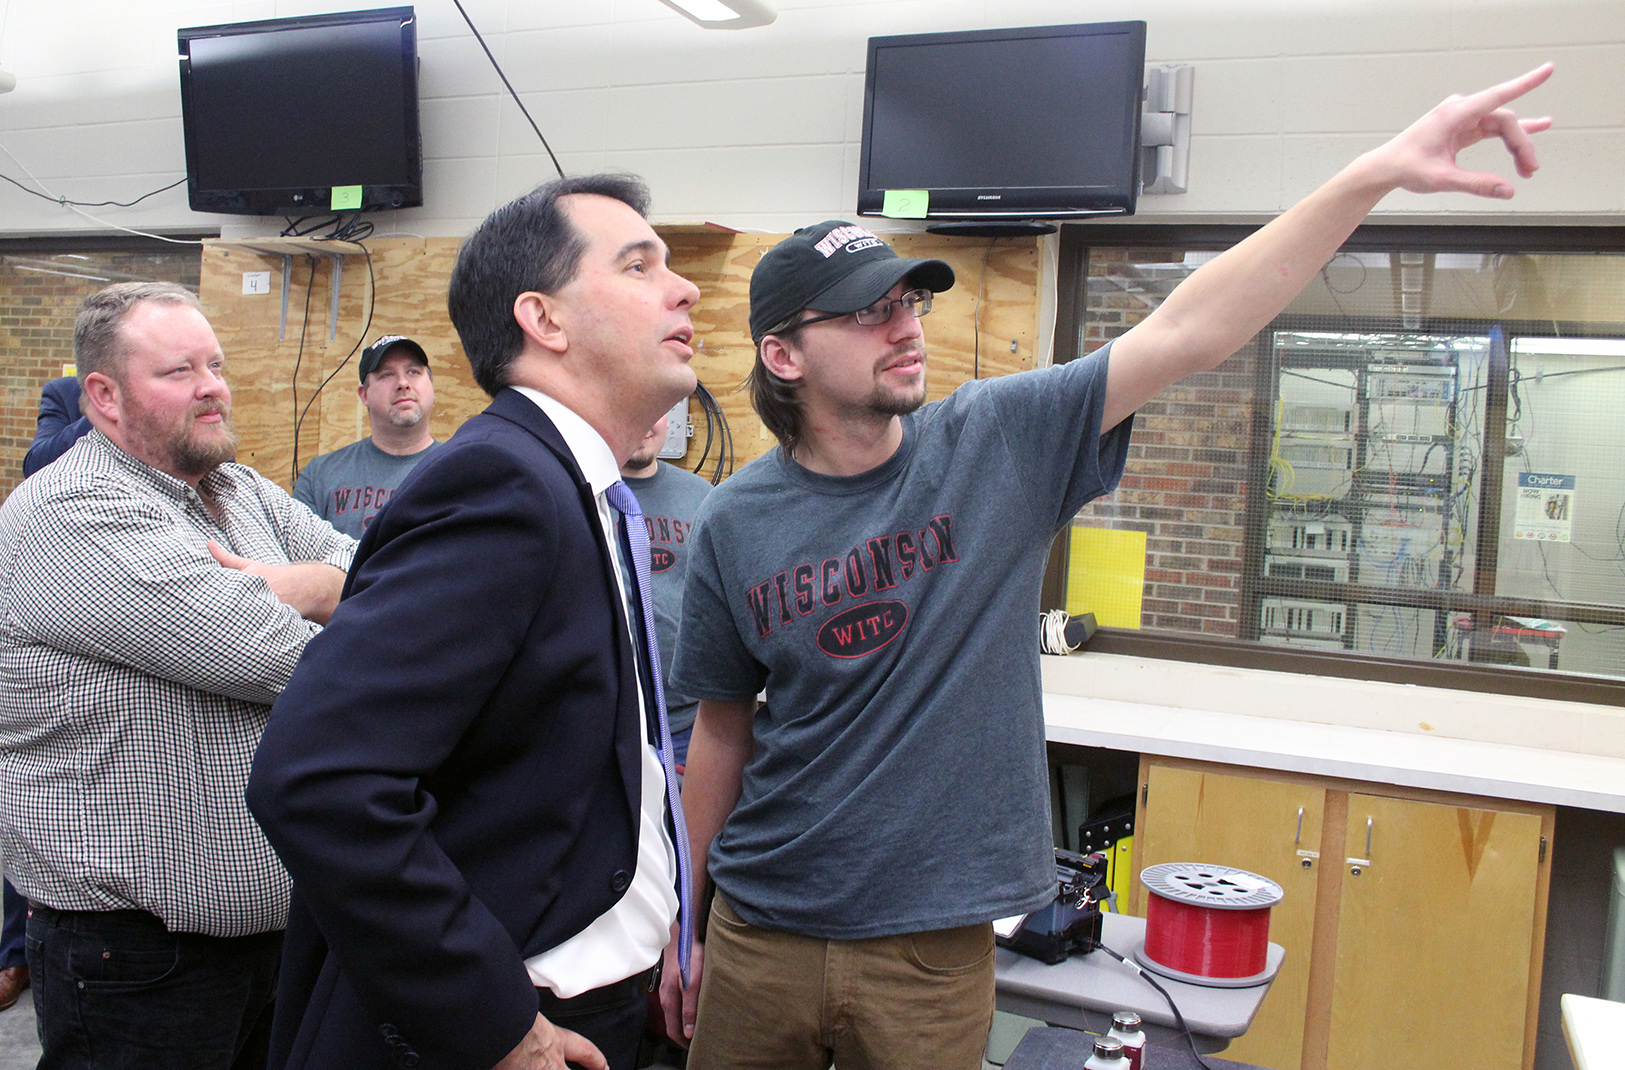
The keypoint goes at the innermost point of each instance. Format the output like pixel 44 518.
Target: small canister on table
pixel 1126 1028
pixel 1108 1055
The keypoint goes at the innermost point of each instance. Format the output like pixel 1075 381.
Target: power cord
pixel 366 328
pixel 511 91
pixel 66 203
pixel 74 206
pixel 299 357
pixel 1179 1019
pixel 336 227
pixel 976 316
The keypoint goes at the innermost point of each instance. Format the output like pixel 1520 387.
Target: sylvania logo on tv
pixel 876 566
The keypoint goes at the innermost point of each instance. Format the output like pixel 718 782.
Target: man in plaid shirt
pixel 153 600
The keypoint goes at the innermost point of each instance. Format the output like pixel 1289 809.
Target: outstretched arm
pixel 1213 313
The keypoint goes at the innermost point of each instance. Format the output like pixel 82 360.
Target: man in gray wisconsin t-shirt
pixel 878 575
pixel 670 498
pixel 348 486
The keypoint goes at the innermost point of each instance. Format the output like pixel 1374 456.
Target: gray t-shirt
pixel 349 486
pixel 670 500
pixel 898 778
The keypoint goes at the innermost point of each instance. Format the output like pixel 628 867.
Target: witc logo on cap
pixel 852 237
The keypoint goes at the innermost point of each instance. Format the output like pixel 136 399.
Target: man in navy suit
pixel 60 423
pixel 460 776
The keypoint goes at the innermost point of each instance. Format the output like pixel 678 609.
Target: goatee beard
pixel 200 458
pixel 191 457
pixel 893 403
pixel 899 402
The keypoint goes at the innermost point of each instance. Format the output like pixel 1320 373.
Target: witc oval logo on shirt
pixel 660 559
pixel 861 630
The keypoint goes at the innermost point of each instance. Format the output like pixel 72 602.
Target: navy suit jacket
pixel 452 776
pixel 59 426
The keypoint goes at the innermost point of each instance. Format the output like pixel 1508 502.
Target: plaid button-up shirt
pixel 136 675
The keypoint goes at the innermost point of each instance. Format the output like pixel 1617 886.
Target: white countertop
pixel 1497 770
pixel 1594 1029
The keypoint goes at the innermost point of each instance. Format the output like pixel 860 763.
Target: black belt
pixel 614 994
pixel 126 914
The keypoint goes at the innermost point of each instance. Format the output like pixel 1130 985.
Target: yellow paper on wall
pixel 1106 575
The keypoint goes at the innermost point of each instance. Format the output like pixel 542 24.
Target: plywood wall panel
pixel 275 377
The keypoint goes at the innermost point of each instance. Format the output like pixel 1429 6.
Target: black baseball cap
pixel 375 353
pixel 833 267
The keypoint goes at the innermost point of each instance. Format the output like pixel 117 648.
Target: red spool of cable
pixel 1207 924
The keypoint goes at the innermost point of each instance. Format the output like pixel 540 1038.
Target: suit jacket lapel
pixel 514 407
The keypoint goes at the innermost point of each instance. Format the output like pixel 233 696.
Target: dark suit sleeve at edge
pixel 60 424
pixel 434 610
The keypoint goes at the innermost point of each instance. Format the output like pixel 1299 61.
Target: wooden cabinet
pixel 1195 814
pixel 1409 917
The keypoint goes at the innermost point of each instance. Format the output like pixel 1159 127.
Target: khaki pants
pixel 775 1001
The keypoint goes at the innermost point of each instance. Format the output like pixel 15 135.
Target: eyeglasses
pixel 917 302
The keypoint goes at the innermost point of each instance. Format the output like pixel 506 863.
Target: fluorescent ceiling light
pixel 724 14
pixel 1571 347
pixel 69 274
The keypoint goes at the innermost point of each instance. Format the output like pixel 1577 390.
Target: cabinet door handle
pixel 1306 858
pixel 1356 865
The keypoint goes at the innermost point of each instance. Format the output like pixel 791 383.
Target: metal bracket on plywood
pixel 287 249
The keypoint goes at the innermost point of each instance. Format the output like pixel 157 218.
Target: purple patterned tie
pixel 621 497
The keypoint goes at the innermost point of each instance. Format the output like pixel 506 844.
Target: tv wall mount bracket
pixel 1165 129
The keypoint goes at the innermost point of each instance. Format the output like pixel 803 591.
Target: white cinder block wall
pixel 760 128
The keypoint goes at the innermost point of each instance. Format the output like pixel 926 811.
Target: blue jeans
pixel 15 909
pixel 115 990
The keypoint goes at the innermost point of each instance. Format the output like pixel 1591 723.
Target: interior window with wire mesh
pixel 1422 459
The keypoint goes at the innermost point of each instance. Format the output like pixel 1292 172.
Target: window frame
pixel 1072 276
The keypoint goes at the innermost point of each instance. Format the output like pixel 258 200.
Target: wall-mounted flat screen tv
pixel 1038 122
pixel 279 113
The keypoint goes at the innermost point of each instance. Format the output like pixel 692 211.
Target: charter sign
pixel 1545 507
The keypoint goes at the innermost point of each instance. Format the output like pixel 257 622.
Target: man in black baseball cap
pixel 388 345
pixel 348 486
pixel 877 577
pixel 835 267
pixel 822 273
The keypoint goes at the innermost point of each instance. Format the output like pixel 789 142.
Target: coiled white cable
pixel 1052 632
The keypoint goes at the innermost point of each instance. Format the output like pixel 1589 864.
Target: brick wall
pixel 39 295
pixel 1185 485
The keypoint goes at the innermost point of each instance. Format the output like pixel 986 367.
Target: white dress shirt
pixel 632 935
